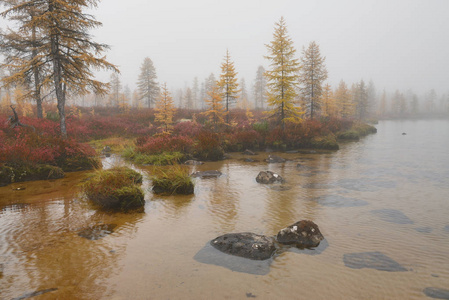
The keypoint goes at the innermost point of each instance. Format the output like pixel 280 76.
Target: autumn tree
pixel 328 108
pixel 146 83
pixel 244 101
pixel 115 89
pixel 21 49
pixel 383 104
pixel 195 92
pixel 361 100
pixel 165 109
pixel 188 98
pixel 259 88
pixel 282 77
pixel 228 83
pixel 67 48
pixel 313 73
pixel 215 112
pixel 343 101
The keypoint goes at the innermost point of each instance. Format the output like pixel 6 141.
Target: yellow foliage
pixel 282 77
pixel 216 111
pixel 228 81
pixel 165 109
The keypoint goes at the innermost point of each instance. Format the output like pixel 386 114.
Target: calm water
pixel 387 193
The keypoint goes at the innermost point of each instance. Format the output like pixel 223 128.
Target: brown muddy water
pixel 386 194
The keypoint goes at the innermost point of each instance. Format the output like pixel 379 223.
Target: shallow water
pixel 386 194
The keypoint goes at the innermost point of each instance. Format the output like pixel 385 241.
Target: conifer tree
pixel 216 112
pixel 343 101
pixel 282 78
pixel 361 100
pixel 188 97
pixel 312 75
pixel 328 108
pixel 67 48
pixel 243 102
pixel 146 83
pixel 21 50
pixel 383 104
pixel 165 109
pixel 115 89
pixel 260 85
pixel 195 92
pixel 228 83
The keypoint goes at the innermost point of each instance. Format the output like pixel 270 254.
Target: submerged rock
pixel 423 229
pixel 446 228
pixel 392 216
pixel 339 201
pixel 436 293
pixel 97 232
pixel 246 244
pixel 34 294
pixel 303 234
pixel 248 152
pixel 269 177
pixel 193 163
pixel 372 260
pixel 207 174
pixel 274 159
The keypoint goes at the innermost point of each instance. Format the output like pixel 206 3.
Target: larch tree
pixel 188 98
pixel 195 92
pixel 21 49
pixel 215 111
pixel 361 100
pixel 383 104
pixel 282 77
pixel 146 83
pixel 312 75
pixel 115 89
pixel 165 109
pixel 259 88
pixel 67 48
pixel 228 83
pixel 343 101
pixel 244 101
pixel 328 108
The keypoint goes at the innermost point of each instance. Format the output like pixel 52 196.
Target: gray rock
pixel 193 163
pixel 274 159
pixel 303 234
pixel 372 260
pixel 106 151
pixel 269 177
pixel 207 174
pixel 436 293
pixel 97 232
pixel 246 244
pixel 248 152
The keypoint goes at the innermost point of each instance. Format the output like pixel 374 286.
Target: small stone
pixel 303 234
pixel 269 177
pixel 207 174
pixel 246 244
pixel 248 152
pixel 193 162
pixel 274 159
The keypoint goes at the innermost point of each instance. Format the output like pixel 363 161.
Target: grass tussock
pixel 115 188
pixel 163 159
pixel 172 180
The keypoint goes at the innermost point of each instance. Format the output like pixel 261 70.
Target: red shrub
pixel 164 143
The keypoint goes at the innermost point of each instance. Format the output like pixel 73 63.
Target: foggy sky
pixel 399 44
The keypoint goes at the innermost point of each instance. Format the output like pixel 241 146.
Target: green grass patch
pixel 18 172
pixel 172 180
pixel 115 188
pixel 163 159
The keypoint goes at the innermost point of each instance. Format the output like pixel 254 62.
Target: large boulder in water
pixel 246 244
pixel 269 177
pixel 303 234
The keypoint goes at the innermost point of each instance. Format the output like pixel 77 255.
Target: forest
pixel 54 113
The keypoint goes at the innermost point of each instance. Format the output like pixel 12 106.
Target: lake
pixel 381 204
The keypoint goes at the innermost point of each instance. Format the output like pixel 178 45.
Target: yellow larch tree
pixel 343 101
pixel 165 109
pixel 216 112
pixel 328 107
pixel 282 77
pixel 228 83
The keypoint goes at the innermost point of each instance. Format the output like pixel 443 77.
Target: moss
pixel 357 131
pixel 172 180
pixel 81 163
pixel 163 159
pixel 326 142
pixel 18 172
pixel 116 188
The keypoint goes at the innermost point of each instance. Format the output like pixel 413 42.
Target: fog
pixel 401 44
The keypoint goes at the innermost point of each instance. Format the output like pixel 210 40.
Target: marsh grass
pixel 163 159
pixel 172 180
pixel 115 188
